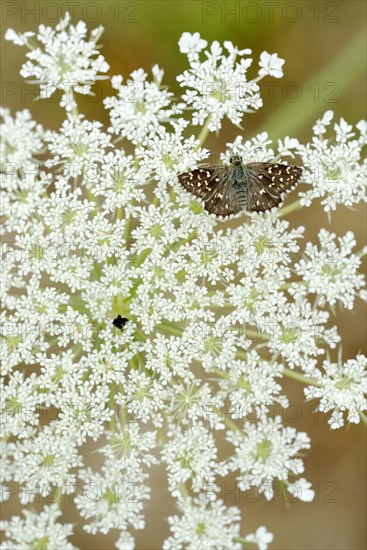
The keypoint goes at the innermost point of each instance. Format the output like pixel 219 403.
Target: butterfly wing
pixel 203 181
pixel 267 184
pixel 224 201
pixel 210 183
pixel 226 191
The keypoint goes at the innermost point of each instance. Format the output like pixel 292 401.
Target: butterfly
pixel 228 190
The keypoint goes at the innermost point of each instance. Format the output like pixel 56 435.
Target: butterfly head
pixel 235 160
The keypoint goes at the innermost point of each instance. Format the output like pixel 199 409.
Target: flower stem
pixel 57 497
pixel 296 205
pixel 171 328
pixel 174 247
pixel 127 225
pixel 243 541
pixel 142 257
pixel 360 253
pixel 184 490
pixel 231 424
pixel 74 108
pixel 363 418
pixel 297 376
pixel 286 286
pixel 228 421
pixel 111 403
pixel 204 132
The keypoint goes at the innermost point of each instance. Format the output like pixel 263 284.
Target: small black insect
pixel 120 322
pixel 239 187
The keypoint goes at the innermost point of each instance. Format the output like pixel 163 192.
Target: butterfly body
pixel 229 190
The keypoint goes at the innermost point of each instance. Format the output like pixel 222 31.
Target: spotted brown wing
pixel 254 187
pixel 267 184
pixel 211 184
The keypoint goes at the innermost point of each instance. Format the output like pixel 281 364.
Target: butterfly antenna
pixel 213 153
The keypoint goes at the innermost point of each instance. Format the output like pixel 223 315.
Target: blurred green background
pixel 324 45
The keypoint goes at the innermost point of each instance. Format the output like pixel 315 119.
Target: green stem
pixel 76 303
pixel 139 335
pixel 57 497
pixel 243 541
pixel 74 109
pixel 283 488
pixel 170 328
pixel 228 421
pixel 133 362
pixel 142 257
pixel 220 373
pixel 231 425
pixel 31 44
pixel 296 205
pixel 363 418
pixel 161 435
pixel 288 285
pixel 184 490
pixel 241 354
pixel 361 252
pixel 256 334
pixel 299 377
pixel 174 247
pixel 97 271
pixel 204 132
pixel 127 225
pixel 77 350
pixel 111 404
pixel 285 286
pixel 92 198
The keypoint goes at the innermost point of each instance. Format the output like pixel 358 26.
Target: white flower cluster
pixel 218 86
pixel 142 107
pixel 62 59
pixel 330 271
pixel 341 388
pixel 37 530
pixel 23 138
pixel 334 166
pixel 136 322
pixel 266 452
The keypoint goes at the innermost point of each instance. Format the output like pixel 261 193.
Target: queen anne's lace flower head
pixel 21 137
pixel 37 530
pixel 341 388
pixel 266 452
pixel 334 165
pixel 97 228
pixel 218 86
pixel 202 525
pixel 331 271
pixel 62 58
pixel 141 106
